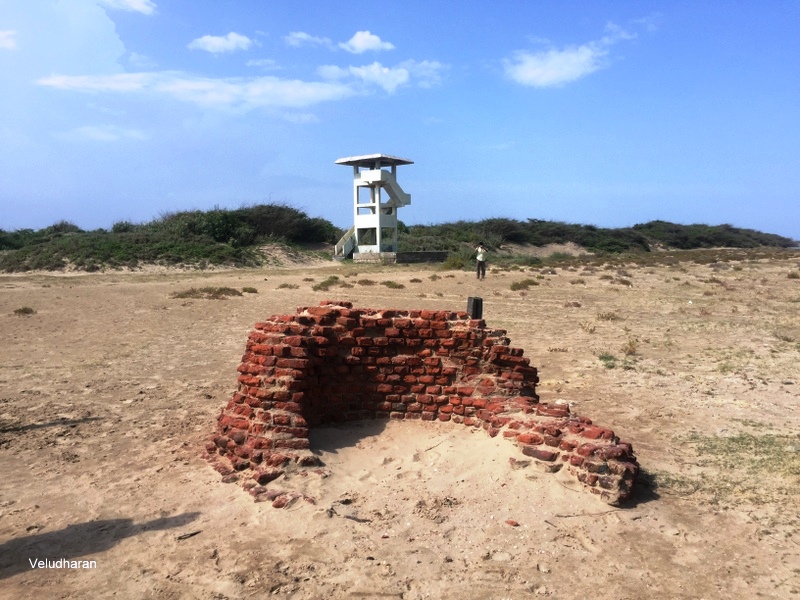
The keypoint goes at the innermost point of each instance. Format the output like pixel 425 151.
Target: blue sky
pixel 606 113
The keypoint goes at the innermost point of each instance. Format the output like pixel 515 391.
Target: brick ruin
pixel 334 363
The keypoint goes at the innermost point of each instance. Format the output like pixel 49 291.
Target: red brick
pixel 392 368
pixel 530 438
pixel 539 453
pixel 281 419
pixel 322 311
pixel 552 411
pixel 293 363
pixel 586 449
pixel 615 452
pixel 295 444
pixel 265 476
pixel 592 432
pixel 568 445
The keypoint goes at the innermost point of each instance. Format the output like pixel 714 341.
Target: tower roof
pixel 368 160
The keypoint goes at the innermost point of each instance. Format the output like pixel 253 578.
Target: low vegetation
pixel 326 284
pixel 608 316
pixel 192 238
pixel 747 467
pixel 454 237
pixel 232 238
pixel 523 284
pixel 207 293
pixel 608 359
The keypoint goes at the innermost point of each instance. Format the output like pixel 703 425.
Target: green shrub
pixel 326 284
pixel 123 227
pixel 608 360
pixel 207 293
pixel 192 238
pixel 232 238
pixel 523 285
pixel 608 316
pixel 709 236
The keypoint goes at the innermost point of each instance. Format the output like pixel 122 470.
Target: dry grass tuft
pixel 609 316
pixel 523 284
pixel 207 293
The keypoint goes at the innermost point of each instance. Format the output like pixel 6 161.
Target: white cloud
pixel 300 118
pixel 332 72
pixel 105 133
pixel 425 73
pixel 140 61
pixel 363 41
pixel 146 7
pixel 8 40
pixel 120 82
pixel 556 67
pixel 614 34
pixel 387 78
pixel 264 63
pixel 233 93
pixel 217 44
pixel 300 38
pixel 650 23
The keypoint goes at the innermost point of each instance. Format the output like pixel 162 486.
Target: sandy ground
pixel 108 391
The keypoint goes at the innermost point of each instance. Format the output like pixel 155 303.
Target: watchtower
pixel 374 214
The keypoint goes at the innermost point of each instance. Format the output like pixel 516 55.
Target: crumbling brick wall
pixel 334 363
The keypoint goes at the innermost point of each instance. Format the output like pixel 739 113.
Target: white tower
pixel 374 220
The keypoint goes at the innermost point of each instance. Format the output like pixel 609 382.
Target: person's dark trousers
pixel 481 269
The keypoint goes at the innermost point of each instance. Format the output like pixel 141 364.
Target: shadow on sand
pixel 56 423
pixel 333 437
pixel 76 541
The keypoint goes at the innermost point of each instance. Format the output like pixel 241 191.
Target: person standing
pixel 481 260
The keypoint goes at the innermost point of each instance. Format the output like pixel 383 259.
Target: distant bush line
pixel 460 236
pixel 190 238
pixel 231 238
